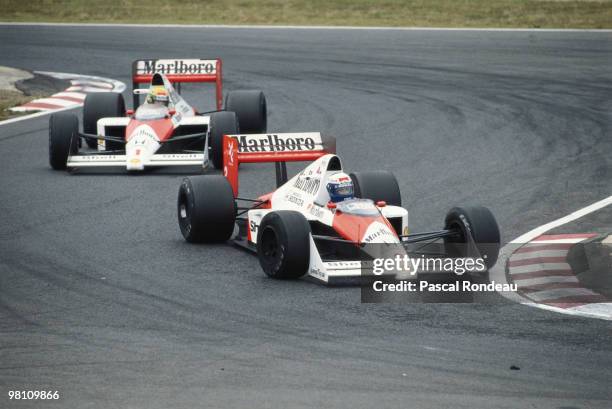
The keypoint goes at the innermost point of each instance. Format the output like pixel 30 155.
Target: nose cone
pixel 364 229
pixel 379 232
pixel 142 144
pixel 378 241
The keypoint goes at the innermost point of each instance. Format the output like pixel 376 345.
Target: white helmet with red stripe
pixel 340 187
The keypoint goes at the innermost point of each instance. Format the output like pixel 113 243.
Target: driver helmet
pixel 340 187
pixel 158 94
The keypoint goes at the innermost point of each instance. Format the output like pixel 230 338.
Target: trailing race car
pixel 322 222
pixel 164 130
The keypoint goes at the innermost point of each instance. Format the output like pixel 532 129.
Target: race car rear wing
pixel 278 148
pixel 178 71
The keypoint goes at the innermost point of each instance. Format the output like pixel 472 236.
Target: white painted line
pixel 563 236
pixel 527 237
pixel 536 245
pixel 96 89
pixel 560 293
pixel 528 282
pixel 531 268
pixel 95 84
pixel 297 27
pixel 602 311
pixel 498 272
pixel 76 95
pixel 27 109
pixel 82 88
pixel 571 240
pixel 538 254
pixel 54 101
pixel 597 310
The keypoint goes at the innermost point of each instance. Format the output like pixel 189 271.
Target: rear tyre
pixel 206 209
pixel 377 185
pixel 251 110
pixel 102 105
pixel 63 138
pixel 479 222
pixel 221 123
pixel 283 244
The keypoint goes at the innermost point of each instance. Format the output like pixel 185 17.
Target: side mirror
pixel 129 112
pixel 381 203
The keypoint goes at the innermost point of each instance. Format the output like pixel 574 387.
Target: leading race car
pixel 164 130
pixel 322 222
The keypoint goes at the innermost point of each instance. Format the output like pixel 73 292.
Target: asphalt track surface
pixel 101 299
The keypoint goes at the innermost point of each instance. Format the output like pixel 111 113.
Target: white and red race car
pixel 164 130
pixel 296 229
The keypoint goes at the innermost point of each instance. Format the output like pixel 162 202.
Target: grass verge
pixel 10 99
pixel 394 13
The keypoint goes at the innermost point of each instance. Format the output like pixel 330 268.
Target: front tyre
pixel 102 105
pixel 477 223
pixel 206 209
pixel 63 138
pixel 251 109
pixel 283 244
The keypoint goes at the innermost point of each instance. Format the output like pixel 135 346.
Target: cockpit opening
pixel 334 164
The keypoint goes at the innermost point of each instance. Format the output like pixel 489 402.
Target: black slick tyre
pixel 251 110
pixel 221 123
pixel 377 185
pixel 63 138
pixel 283 244
pixel 479 223
pixel 102 105
pixel 206 209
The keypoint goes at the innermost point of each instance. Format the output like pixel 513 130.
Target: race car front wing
pixel 167 159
